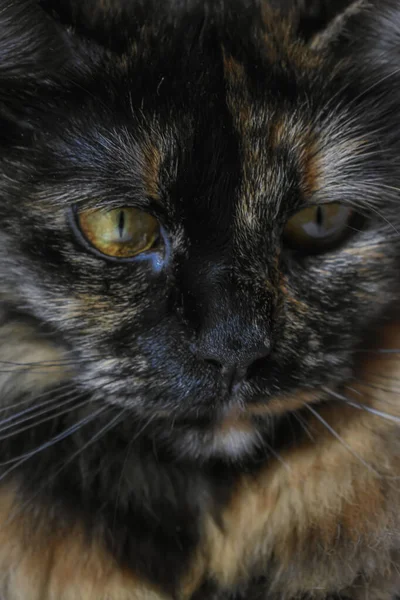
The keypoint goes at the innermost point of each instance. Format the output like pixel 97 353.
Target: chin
pixel 228 440
pixel 232 445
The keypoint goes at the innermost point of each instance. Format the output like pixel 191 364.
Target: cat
pixel 199 266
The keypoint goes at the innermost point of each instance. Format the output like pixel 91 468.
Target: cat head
pixel 199 209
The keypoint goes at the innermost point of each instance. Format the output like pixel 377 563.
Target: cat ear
pixel 30 52
pixel 31 46
pixel 36 52
pixel 368 30
pixel 107 23
pixel 339 18
pixel 318 22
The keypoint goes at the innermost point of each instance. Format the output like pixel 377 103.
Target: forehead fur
pixel 250 108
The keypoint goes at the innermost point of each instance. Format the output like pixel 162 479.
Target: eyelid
pixel 148 205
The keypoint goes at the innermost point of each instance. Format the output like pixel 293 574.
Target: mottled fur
pixel 128 470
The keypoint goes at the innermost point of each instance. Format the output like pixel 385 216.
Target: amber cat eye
pixel 318 228
pixel 119 233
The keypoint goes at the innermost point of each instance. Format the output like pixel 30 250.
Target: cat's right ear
pixel 36 52
pixel 32 46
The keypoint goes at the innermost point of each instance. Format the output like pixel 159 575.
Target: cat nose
pixel 234 366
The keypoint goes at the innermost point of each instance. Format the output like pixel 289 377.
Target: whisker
pixel 128 451
pixel 66 388
pixel 52 417
pixel 377 377
pixel 381 216
pixel 96 436
pixel 32 409
pixel 304 426
pixel 379 351
pixel 277 455
pixel 107 427
pixel 333 101
pixel 38 397
pixel 54 440
pixel 40 363
pixel 359 406
pixel 342 441
pixel 379 388
pixel 375 85
pixel 373 411
pixel 56 363
pixel 44 367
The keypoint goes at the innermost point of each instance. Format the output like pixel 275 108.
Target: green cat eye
pixel 119 233
pixel 318 228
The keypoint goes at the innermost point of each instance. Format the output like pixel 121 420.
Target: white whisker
pixel 342 441
pixel 363 407
pixel 54 440
pixel 46 419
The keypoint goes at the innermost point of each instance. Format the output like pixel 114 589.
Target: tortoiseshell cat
pixel 199 266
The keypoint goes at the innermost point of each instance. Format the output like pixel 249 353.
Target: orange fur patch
pixel 329 509
pixel 238 98
pixel 319 496
pixel 281 43
pixel 311 170
pixel 58 565
pixel 151 170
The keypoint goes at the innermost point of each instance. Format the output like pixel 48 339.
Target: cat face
pixel 237 299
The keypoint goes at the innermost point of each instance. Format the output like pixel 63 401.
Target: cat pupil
pixel 121 223
pixel 320 216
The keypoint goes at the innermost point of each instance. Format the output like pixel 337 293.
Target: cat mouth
pixel 240 416
pixel 239 430
pixel 274 406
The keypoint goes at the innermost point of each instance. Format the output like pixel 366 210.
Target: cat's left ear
pixel 107 23
pixel 320 22
pixel 368 30
pixel 336 22
pixel 37 53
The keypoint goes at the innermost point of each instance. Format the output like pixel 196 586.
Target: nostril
pixel 256 366
pixel 213 361
pixel 234 365
pixel 229 372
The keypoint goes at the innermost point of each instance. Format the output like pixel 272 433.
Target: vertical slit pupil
pixel 320 216
pixel 121 223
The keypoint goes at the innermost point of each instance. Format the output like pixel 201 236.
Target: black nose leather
pixel 232 321
pixel 234 364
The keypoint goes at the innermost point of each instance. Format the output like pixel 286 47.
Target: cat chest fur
pixel 320 520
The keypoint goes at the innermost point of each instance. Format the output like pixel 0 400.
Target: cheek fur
pixel 30 364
